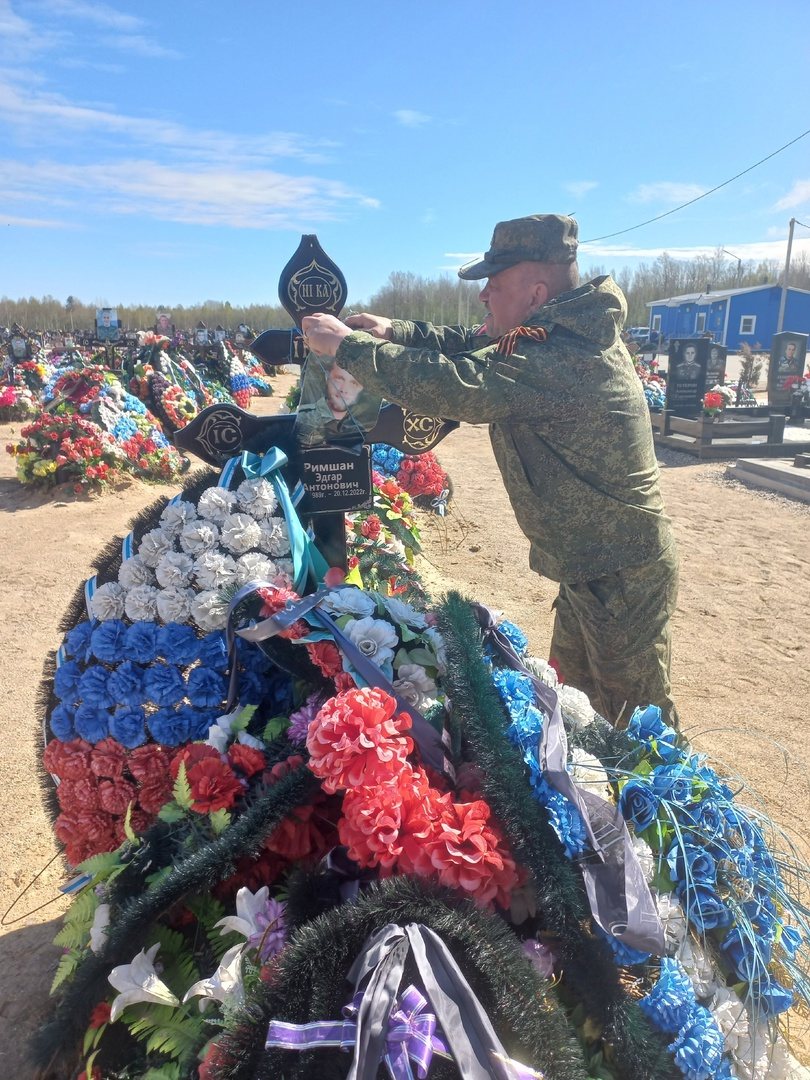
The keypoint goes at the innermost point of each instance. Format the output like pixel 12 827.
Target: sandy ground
pixel 741 668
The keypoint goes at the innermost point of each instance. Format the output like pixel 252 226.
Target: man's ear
pixel 540 294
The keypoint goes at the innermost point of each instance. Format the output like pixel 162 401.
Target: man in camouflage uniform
pixel 571 434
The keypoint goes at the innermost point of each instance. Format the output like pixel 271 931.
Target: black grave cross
pixel 337 476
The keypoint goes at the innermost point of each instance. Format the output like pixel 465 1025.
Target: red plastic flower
pixel 247 759
pixel 355 740
pixel 81 794
pixel 155 794
pixel 191 754
pixel 213 785
pixel 388 825
pixel 325 656
pixel 68 760
pixel 275 599
pixel 115 795
pixel 108 759
pixel 149 763
pixel 371 527
pixel 100 1015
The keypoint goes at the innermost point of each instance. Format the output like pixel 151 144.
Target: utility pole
pixel 783 299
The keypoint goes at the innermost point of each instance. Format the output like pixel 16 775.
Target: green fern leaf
pixel 65 968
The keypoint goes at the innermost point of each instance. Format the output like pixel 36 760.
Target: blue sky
pixel 174 152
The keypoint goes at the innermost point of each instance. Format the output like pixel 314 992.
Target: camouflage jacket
pixel 568 420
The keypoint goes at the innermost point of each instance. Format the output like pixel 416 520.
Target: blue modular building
pixel 732 316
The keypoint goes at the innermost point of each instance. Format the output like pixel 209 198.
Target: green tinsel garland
pixel 309 983
pixel 589 969
pixel 129 928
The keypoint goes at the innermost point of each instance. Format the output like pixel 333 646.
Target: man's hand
pixel 323 333
pixel 377 325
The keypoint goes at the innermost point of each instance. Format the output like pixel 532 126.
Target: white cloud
pixel 411 118
pixel 246 198
pixel 99 14
pixel 665 191
pixel 798 195
pixel 34 223
pixel 41 116
pixel 580 188
pixel 753 251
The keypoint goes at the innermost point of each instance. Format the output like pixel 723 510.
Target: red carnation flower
pixel 116 795
pixel 191 754
pixel 80 794
pixel 213 785
pixel 152 797
pixel 68 760
pixel 247 759
pixel 325 656
pixel 344 682
pixel 275 599
pixel 149 763
pixel 108 759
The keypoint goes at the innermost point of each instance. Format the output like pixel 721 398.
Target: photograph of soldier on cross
pixel 570 431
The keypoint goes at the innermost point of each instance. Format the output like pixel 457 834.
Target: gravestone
pixel 716 365
pixel 336 476
pixel 786 366
pixel 686 375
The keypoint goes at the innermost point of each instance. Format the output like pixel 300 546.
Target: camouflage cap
pixel 546 238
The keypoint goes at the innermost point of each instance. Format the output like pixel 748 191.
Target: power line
pixel 697 198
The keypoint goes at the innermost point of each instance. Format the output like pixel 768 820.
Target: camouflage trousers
pixel 611 638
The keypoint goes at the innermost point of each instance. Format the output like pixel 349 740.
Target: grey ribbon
pixel 476 1049
pixel 618 895
pixel 431 742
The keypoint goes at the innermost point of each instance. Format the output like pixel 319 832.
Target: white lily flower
pixel 224 985
pixel 139 981
pixel 220 733
pixel 249 906
pixel 98 931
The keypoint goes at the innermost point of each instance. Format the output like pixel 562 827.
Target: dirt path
pixel 741 666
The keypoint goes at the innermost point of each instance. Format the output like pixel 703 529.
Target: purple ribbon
pixel 413 1035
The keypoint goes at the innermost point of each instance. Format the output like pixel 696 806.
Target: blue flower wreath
pixel 170 726
pixel 108 640
pixel 386 459
pixel 127 726
pixel 177 643
pixel 212 651
pixel 77 641
pixel 163 684
pixel 126 684
pixel 206 687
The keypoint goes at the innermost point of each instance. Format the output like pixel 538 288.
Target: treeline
pixel 442 300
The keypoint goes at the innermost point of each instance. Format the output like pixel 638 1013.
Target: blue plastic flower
pixel 169 726
pixel 127 726
pixel 647 728
pixel 252 688
pixel 638 804
pixel 671 1000
pixel 107 640
pixel 514 635
pixel 761 913
pixel 178 644
pixel 212 651
pixel 66 682
pixel 163 685
pixel 91 723
pixel 61 720
pixel 199 721
pixel 673 783
pixel 739 827
pixel 140 643
pixel 563 815
pixel 93 687
pixel 790 938
pixel 706 818
pixel 623 954
pixel 748 954
pixel 704 907
pixel 126 684
pixel 77 642
pixel 251 657
pixel 698 1048
pixel 206 687
pixel 690 862
pixel 772 997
